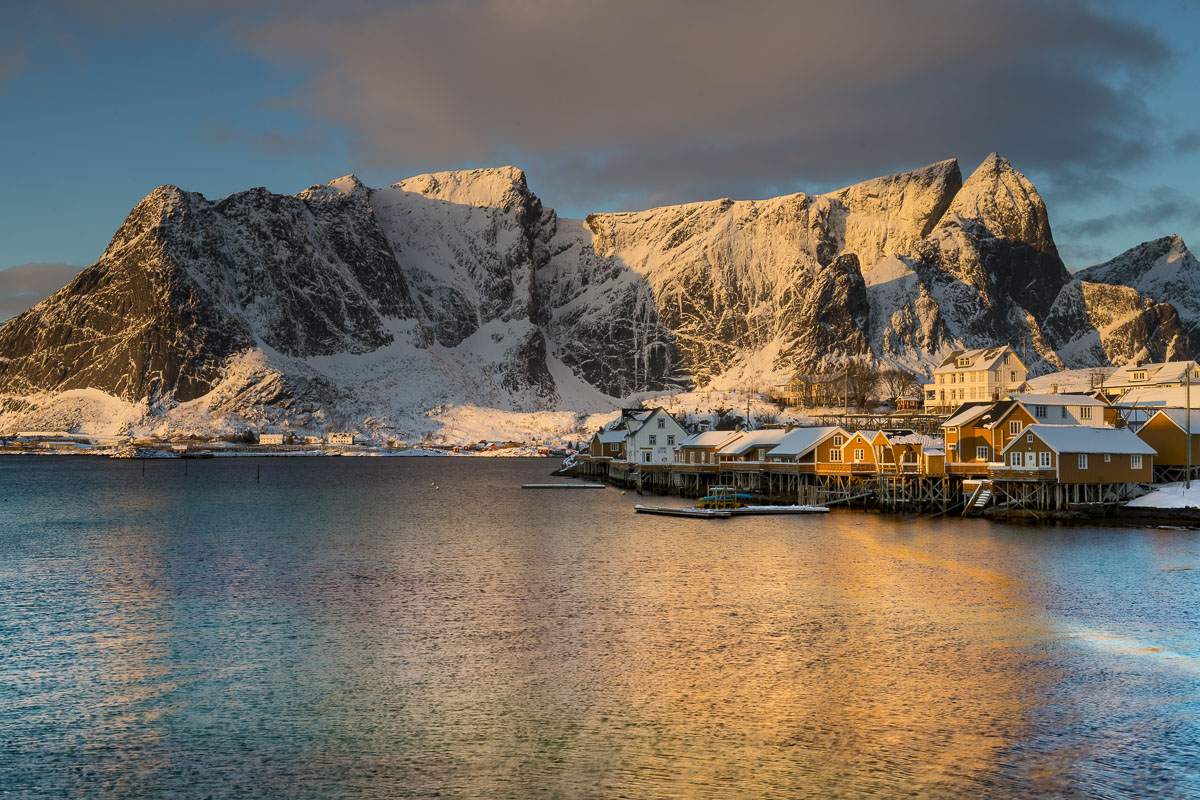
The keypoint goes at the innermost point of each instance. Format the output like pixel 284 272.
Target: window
pixel 1107 457
pixel 653 440
pixel 838 441
pixel 1044 458
pixel 1039 412
pixel 1062 411
pixel 1139 375
pixel 1083 460
pixel 835 456
pixel 858 455
pixel 1006 358
pixel 670 438
pixel 1012 376
pixel 1085 412
pixel 1014 459
pixel 1135 462
pixel 1014 427
pixel 646 457
pixel 612 447
pixel 662 423
pixel 1029 437
pixel 964 362
pixel 983 453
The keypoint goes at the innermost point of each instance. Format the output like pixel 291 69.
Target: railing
pixel 1020 473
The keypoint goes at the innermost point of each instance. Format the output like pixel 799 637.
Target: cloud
pixel 1165 206
pixel 25 285
pixel 688 99
pixel 1187 143
pixel 273 143
pixel 13 61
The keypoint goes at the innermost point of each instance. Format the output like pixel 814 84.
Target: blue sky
pixel 607 104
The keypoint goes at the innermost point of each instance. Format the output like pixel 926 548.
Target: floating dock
pixel 725 513
pixel 563 485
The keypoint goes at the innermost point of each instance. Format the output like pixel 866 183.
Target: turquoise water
pixel 344 629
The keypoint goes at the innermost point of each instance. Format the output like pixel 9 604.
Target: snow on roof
pixel 1159 372
pixel 920 439
pixel 934 451
pixel 1159 397
pixel 800 440
pixel 983 358
pixel 966 413
pixel 1057 399
pixel 1084 439
pixel 1071 380
pixel 613 436
pixel 710 439
pixel 1180 417
pixel 751 439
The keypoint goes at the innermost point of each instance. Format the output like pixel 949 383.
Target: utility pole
pixel 1187 399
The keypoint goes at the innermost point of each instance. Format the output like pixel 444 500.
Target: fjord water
pixel 421 627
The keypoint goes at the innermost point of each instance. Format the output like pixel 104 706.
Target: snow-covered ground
pixel 1170 495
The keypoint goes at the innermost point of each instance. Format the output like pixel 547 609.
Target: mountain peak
pixel 491 187
pixel 1004 202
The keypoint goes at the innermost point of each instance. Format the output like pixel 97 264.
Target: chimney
pixel 1054 388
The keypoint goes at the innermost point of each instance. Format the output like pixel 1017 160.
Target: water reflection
pixel 346 630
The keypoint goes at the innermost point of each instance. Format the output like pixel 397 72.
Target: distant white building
pixel 271 438
pixel 341 438
pixel 967 375
pixel 1160 375
pixel 651 435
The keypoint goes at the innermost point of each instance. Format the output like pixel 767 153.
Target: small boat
pixel 724 497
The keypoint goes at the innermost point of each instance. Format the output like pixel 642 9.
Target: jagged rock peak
pixel 1005 203
pixel 345 186
pixel 492 187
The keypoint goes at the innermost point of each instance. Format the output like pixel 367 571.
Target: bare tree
pixel 861 381
pixel 898 383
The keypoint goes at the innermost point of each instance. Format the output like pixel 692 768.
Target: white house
pixel 651 436
pixel 272 438
pixel 1063 409
pixel 983 374
pixel 341 438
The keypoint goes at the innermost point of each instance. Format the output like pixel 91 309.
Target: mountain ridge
pixel 461 287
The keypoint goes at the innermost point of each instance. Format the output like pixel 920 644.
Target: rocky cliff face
pixel 461 287
pixel 1163 270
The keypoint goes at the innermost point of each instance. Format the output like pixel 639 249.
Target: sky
pixel 606 104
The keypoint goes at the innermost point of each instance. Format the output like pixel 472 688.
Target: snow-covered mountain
pixel 1164 270
pixel 398 308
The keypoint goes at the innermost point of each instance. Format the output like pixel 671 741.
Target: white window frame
pixel 1083 461
pixel 1085 412
pixel 1107 458
pixel 1135 461
pixel 1014 427
pixel 670 439
pixel 839 440
pixel 653 440
pixel 835 456
pixel 662 423
pixel 983 452
pixel 859 455
pixel 1044 458
pixel 646 456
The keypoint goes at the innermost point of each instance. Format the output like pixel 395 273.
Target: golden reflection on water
pixel 370 638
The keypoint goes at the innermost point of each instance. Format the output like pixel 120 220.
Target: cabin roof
pixel 1084 439
pixel 965 413
pixel 751 439
pixel 801 440
pixel 1057 399
pixel 710 439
